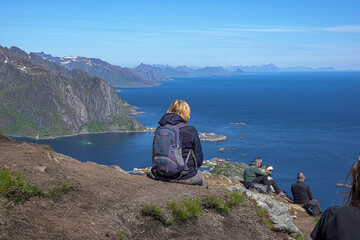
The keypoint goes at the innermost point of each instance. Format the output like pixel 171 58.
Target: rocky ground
pixel 104 203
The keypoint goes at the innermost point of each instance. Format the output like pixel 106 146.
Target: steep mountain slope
pixel 115 75
pixel 48 100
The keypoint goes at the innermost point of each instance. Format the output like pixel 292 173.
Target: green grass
pixel 189 209
pixel 153 211
pixel 58 191
pixel 267 223
pixel 300 237
pixel 265 218
pixel 260 211
pixel 223 205
pixel 214 202
pixel 234 198
pixel 316 219
pixel 15 188
pixel 121 235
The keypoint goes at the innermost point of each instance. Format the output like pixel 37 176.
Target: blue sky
pixel 201 33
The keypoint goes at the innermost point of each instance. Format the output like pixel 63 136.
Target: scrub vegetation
pixel 191 208
pixel 15 188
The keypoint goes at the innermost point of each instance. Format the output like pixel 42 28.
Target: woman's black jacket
pixel 189 139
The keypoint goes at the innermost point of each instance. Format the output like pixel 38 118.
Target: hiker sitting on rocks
pixel 177 151
pixel 342 222
pixel 268 180
pixel 254 174
pixel 302 193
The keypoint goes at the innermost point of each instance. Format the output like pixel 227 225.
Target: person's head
pixel 258 162
pixel 181 108
pixel 269 168
pixel 354 194
pixel 300 177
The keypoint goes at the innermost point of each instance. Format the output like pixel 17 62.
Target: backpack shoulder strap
pixel 181 124
pixel 194 158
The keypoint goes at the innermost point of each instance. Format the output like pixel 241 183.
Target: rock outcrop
pixel 232 173
pixel 211 137
pixel 278 211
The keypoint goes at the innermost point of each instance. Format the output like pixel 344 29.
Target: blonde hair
pixel 181 108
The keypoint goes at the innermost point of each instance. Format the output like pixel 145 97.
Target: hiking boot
pixel 282 194
pixel 150 175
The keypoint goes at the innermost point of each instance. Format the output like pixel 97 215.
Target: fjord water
pixel 299 122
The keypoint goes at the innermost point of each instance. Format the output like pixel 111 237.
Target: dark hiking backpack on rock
pixel 167 154
pixel 312 210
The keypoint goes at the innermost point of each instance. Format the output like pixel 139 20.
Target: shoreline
pixel 77 134
pixel 207 137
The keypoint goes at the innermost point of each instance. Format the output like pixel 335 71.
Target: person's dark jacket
pixel 189 140
pixel 340 223
pixel 301 192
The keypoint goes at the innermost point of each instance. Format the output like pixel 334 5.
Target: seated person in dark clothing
pixel 253 173
pixel 342 223
pixel 302 193
pixel 268 180
pixel 178 114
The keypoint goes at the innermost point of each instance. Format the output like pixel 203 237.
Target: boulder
pixel 278 211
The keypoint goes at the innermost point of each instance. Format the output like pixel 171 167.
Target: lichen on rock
pixel 277 210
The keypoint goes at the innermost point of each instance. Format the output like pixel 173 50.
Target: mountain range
pixel 145 75
pixel 115 75
pixel 39 98
pixel 185 71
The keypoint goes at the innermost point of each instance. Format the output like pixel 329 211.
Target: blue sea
pixel 298 122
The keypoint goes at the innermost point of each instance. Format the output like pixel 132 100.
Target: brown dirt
pixel 105 200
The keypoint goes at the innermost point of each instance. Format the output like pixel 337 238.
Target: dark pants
pixel 268 181
pixel 315 202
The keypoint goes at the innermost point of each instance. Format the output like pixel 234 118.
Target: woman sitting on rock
pixel 177 151
pixel 342 222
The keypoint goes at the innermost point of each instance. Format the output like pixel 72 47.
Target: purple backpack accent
pixel 167 154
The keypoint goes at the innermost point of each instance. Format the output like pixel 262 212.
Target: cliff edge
pixel 105 202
